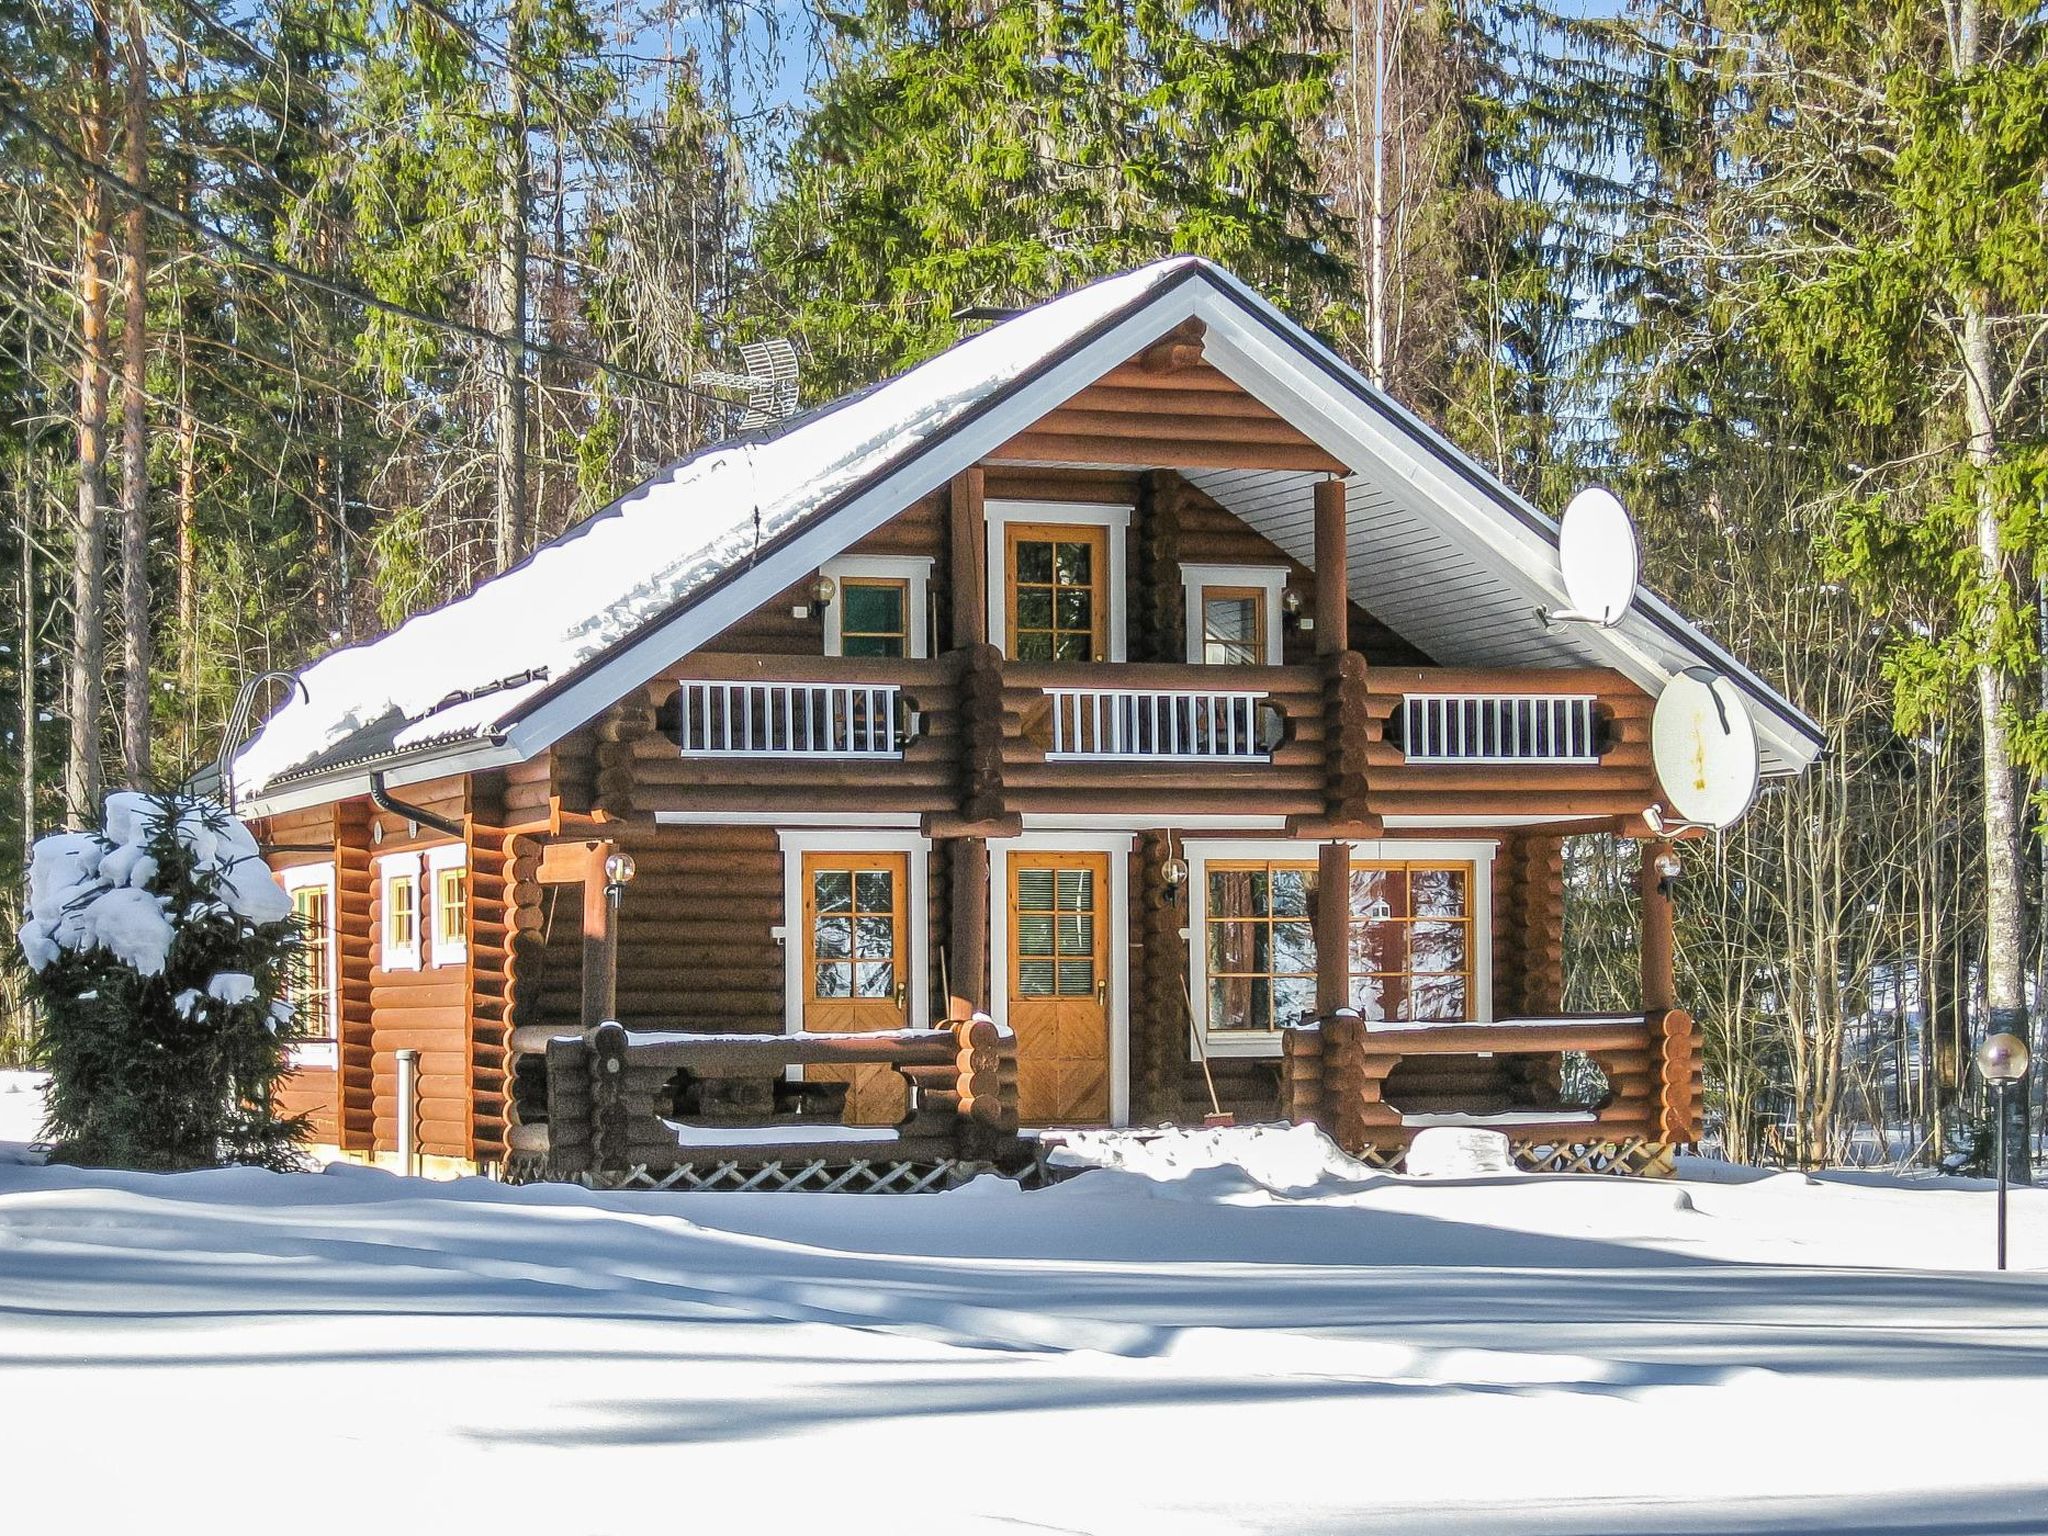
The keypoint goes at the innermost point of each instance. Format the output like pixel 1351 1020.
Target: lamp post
pixel 2002 1059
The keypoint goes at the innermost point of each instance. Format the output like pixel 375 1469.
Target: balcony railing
pixel 810 720
pixel 1499 728
pixel 1159 725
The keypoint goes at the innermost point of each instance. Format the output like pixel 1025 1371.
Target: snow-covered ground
pixel 1162 1346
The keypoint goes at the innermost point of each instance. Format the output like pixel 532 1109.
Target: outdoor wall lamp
pixel 1291 604
pixel 823 590
pixel 2002 1059
pixel 619 870
pixel 1669 867
pixel 1174 872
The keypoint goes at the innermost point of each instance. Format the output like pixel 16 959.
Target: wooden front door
pixel 856 960
pixel 1059 910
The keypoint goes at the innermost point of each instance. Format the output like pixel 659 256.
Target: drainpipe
pixel 382 799
pixel 408 1112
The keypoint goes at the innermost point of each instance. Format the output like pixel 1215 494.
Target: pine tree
pixel 160 951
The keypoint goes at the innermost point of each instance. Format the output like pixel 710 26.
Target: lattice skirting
pixel 1635 1157
pixel 815 1176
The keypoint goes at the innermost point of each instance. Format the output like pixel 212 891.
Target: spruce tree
pixel 159 951
pixel 974 154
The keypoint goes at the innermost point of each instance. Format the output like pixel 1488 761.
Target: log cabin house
pixel 1134 676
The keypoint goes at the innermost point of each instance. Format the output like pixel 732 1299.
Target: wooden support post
pixel 600 955
pixel 967 960
pixel 1660 980
pixel 969 592
pixel 1333 928
pixel 1333 594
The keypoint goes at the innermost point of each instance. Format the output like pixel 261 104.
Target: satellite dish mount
pixel 1601 559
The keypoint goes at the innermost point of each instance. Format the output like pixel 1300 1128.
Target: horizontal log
pixel 1504 1039
pixel 1091 420
pixel 1163 453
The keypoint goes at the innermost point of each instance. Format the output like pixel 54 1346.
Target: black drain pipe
pixel 381 798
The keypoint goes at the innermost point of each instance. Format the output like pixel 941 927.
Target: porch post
pixel 967 957
pixel 1660 980
pixel 1333 595
pixel 1333 928
pixel 968 592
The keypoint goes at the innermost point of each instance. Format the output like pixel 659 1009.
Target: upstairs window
pixel 1056 576
pixel 1057 612
pixel 876 621
pixel 880 608
pixel 1233 614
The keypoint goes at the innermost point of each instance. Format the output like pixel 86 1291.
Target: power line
pixel 241 249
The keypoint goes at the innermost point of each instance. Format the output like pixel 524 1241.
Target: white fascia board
pixel 1255 358
pixel 473 758
pixel 950 452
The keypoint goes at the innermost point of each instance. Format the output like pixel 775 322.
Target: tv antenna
pixel 1704 748
pixel 769 383
pixel 1599 554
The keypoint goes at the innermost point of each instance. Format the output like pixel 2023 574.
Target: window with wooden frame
pixel 1259 944
pixel 1412 941
pixel 399 876
pixel 310 989
pixel 1234 626
pixel 1233 614
pixel 854 921
pixel 874 616
pixel 1057 587
pixel 448 907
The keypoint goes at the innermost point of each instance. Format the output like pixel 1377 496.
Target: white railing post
pixel 1499 728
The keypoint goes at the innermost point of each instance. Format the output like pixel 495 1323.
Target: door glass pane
pixel 1034 561
pixel 834 981
pixel 834 939
pixel 832 890
pixel 1073 565
pixel 1034 933
pixel 874 891
pixel 1034 978
pixel 872 979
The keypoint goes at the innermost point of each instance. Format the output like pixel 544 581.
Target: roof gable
pixel 530 655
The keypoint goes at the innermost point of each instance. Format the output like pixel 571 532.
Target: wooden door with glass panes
pixel 1059 986
pixel 1058 588
pixel 856 960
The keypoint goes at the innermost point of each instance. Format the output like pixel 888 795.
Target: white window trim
pixel 1199 852
pixel 455 951
pixel 392 867
pixel 796 842
pixel 1075 514
pixel 917 607
pixel 303 877
pixel 1269 579
pixel 1118 846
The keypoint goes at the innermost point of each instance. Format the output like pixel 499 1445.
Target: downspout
pixel 381 798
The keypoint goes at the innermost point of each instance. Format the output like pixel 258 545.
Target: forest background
pixel 314 313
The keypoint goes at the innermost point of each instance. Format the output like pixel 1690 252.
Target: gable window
pixel 880 606
pixel 1233 614
pixel 448 906
pixel 1056 580
pixel 399 876
pixel 311 990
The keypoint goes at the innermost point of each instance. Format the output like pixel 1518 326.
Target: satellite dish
pixel 1704 746
pixel 1598 552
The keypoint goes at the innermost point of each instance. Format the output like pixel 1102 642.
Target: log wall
pixel 314 1091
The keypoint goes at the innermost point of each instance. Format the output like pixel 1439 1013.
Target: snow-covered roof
pixel 498 675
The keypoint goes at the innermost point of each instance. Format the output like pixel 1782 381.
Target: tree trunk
pixel 135 636
pixel 86 683
pixel 515 194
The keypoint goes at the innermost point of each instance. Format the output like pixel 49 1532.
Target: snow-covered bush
pixel 159 949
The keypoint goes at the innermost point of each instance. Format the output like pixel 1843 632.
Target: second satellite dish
pixel 1704 746
pixel 1598 553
